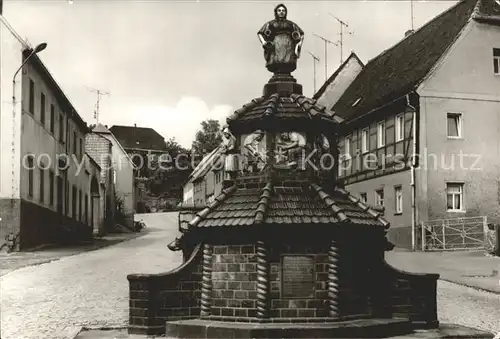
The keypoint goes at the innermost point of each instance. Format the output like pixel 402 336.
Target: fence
pixel 454 234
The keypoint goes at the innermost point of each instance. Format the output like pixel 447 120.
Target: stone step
pixel 362 328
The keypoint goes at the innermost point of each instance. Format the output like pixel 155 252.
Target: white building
pixel 45 177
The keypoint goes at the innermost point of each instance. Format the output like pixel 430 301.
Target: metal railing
pixel 454 234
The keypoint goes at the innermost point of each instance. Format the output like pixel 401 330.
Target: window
pixel 73 202
pixel 30 176
pixel 51 188
pixel 398 198
pixel 454 125
pixel 80 204
pixel 454 196
pixel 86 215
pixel 42 185
pixel 81 148
pixel 496 61
pixel 364 140
pixel 32 97
pixel 379 197
pixel 400 127
pixel 381 134
pixel 52 118
pixel 61 127
pixel 74 143
pixel 42 109
pixel 363 197
pixel 347 147
pixel 218 177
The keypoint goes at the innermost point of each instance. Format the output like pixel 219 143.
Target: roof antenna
pixel 326 41
pixel 343 25
pixel 412 23
pixel 96 110
pixel 315 59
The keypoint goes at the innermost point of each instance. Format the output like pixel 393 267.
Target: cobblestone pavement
pixel 54 300
pixel 12 261
pixel 467 306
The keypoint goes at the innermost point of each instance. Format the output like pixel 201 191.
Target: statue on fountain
pixel 282 41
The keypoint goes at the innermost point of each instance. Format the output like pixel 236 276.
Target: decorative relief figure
pixel 289 149
pixel 282 41
pixel 323 157
pixel 255 152
pixel 230 152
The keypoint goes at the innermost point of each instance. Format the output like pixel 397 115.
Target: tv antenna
pixel 341 41
pixel 412 16
pixel 99 95
pixel 326 41
pixel 315 59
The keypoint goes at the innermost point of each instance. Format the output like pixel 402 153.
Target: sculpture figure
pixel 256 160
pixel 230 152
pixel 289 148
pixel 282 41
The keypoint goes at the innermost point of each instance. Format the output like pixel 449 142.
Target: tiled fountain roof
pixel 294 106
pixel 237 206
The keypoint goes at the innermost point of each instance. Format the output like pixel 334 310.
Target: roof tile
pixel 398 70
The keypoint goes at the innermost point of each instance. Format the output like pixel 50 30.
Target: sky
pixel 169 65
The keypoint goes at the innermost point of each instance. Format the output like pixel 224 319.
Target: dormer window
pixel 496 61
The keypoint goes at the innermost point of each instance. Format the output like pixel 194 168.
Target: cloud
pixel 180 121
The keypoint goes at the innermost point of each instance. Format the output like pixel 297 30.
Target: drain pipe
pixel 412 174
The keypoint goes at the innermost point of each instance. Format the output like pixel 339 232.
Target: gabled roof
pixel 100 129
pixel 400 69
pixel 336 73
pixel 138 137
pixel 206 164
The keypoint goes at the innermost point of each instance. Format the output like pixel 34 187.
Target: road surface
pixel 56 299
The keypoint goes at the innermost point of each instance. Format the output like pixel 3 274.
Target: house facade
pixel 123 177
pixel 45 178
pixel 100 149
pixel 205 182
pixel 422 121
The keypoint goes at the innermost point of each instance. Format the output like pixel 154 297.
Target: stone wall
pixel 312 307
pixel 41 225
pixel 156 298
pixel 412 296
pixel 234 284
pixel 10 225
pixel 31 225
pixel 234 276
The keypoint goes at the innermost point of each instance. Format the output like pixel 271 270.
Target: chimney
pixel 135 125
pixel 409 32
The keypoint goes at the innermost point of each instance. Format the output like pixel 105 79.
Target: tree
pixel 169 170
pixel 208 138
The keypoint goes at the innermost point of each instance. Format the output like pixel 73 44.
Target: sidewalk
pixel 12 261
pixel 473 269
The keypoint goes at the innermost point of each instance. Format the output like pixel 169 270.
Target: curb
pixel 480 289
pixel 46 261
pixel 96 328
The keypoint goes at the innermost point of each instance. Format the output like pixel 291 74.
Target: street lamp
pixel 38 48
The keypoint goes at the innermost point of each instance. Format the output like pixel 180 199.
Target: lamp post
pixel 38 48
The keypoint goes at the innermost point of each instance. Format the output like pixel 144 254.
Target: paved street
pixel 56 299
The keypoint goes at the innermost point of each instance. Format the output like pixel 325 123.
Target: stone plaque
pixel 297 276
